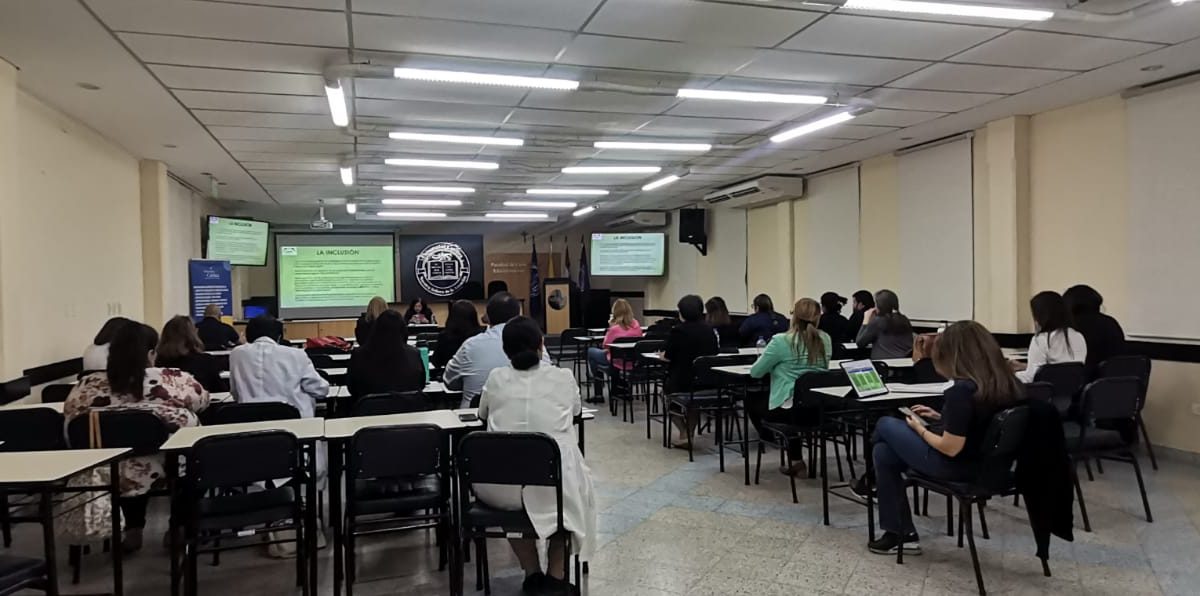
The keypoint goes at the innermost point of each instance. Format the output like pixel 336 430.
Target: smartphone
pixel 468 417
pixel 907 412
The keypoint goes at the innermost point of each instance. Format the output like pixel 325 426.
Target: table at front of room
pixel 46 472
pixel 307 432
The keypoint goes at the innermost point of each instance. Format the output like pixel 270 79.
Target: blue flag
pixel 535 286
pixel 584 280
pixel 567 257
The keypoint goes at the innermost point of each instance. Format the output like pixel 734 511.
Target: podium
pixel 557 296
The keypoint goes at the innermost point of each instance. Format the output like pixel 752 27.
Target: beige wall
pixel 722 272
pixel 70 237
pixel 184 221
pixel 769 253
pixel 879 232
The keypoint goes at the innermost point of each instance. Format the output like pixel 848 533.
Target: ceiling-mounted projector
pixel 320 223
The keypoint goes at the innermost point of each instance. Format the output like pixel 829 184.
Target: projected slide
pixel 628 254
pixel 239 241
pixel 333 276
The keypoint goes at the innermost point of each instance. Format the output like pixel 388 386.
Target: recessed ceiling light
pixel 412 214
pixel 507 215
pixel 584 211
pixel 568 192
pixel 1152 68
pixel 661 182
pixel 478 78
pixel 351 208
pixel 347 174
pixel 460 139
pixel 750 96
pixel 337 105
pixel 652 146
pixel 443 163
pixel 612 170
pixel 449 190
pixel 88 86
pixel 949 9
pixel 541 204
pixel 422 202
pixel 811 127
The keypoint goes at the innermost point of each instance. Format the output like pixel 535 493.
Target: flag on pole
pixel 584 280
pixel 535 286
pixel 550 265
pixel 567 258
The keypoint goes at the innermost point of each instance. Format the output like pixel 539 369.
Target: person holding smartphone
pixel 949 448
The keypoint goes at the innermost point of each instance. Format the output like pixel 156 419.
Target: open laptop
pixel 864 379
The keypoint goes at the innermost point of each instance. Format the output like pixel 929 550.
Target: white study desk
pixel 302 428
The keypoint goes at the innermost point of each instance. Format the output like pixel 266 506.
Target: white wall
pixel 183 219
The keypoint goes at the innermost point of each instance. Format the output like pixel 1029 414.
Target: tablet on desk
pixel 864 378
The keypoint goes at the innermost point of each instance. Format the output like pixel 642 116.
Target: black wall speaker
pixel 691 226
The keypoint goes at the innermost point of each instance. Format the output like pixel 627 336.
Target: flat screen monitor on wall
pixel 239 241
pixel 628 254
pixel 333 275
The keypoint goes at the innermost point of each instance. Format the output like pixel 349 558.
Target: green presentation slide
pixel 628 254
pixel 239 241
pixel 865 382
pixel 325 276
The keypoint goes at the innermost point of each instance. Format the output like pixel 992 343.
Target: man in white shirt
pixel 263 370
pixel 468 370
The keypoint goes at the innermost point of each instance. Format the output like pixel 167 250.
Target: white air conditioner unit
pixel 639 219
pixel 758 192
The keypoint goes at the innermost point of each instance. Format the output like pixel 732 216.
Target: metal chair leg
pixel 966 506
pixel 1137 470
pixel 1087 525
pixel 982 521
pixel 1149 447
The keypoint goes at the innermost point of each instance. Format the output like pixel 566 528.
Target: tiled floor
pixel 670 527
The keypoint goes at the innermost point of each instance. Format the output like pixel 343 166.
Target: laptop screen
pixel 864 378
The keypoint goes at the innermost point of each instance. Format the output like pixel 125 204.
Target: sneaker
pixel 861 488
pixel 533 583
pixel 890 542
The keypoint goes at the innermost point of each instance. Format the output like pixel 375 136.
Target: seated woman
pixel 461 325
pixel 686 342
pixel 885 329
pixel 419 313
pixel 180 347
pixel 387 363
pixel 763 324
pixel 967 354
pixel 717 317
pixel 362 328
pixel 621 325
pixel 1055 340
pixel 1103 334
pixel 95 355
pixel 131 382
pixel 801 350
pixel 530 395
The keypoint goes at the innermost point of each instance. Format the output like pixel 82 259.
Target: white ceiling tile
pixel 854 131
pixel 290 147
pixel 936 101
pixel 222 20
pixel 981 79
pixel 579 120
pixel 216 117
pixel 268 157
pixel 700 126
pixel 214 79
pixel 1173 24
pixel 552 14
pixel 734 109
pixel 901 118
pixel 594 50
pixel 293 167
pixel 827 68
pixel 849 34
pixel 1052 50
pixel 248 133
pixel 598 101
pixel 271 177
pixel 700 22
pixel 252 102
pixel 414 112
pixel 441 92
pixel 403 34
pixel 187 51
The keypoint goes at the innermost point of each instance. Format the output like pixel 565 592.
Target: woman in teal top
pixel 803 349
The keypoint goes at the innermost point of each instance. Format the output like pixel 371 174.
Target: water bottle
pixel 760 344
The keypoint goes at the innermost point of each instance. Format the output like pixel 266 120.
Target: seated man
pixel 468 370
pixel 264 370
pixel 214 334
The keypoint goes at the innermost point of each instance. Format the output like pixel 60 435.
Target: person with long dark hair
pixel 1103 334
pixel 419 313
pixel 387 363
pixel 95 355
pixel 885 329
pixel 130 381
pixel 763 324
pixel 462 324
pixel 180 347
pixel 532 395
pixel 716 314
pixel 803 349
pixel 860 302
pixel 1055 340
pixel 967 354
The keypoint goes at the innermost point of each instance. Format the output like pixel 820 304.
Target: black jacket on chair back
pixel 1043 477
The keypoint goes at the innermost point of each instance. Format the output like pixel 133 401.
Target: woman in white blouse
pixel 1055 340
pixel 530 395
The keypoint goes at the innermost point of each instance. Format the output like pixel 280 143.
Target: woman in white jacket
pixel 1055 340
pixel 530 395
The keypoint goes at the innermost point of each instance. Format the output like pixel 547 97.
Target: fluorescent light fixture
pixel 612 170
pixel 652 146
pixel 412 214
pixel 448 190
pixel 949 9
pixel 337 105
pixel 422 202
pixel 1179 2
pixel 813 126
pixel 661 182
pixel 351 207
pixel 584 211
pixel 462 139
pixel 541 204
pixel 568 192
pixel 509 215
pixel 443 163
pixel 479 78
pixel 751 96
pixel 347 173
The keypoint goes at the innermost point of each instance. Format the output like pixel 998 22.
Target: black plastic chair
pixel 707 396
pixel 1040 391
pixel 223 513
pixel 15 389
pixel 22 573
pixel 511 459
pixel 56 393
pixel 994 476
pixel 1133 366
pixel 1067 378
pixel 388 494
pixel 379 404
pixel 26 429
pixel 804 425
pixel 259 411
pixel 1109 402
